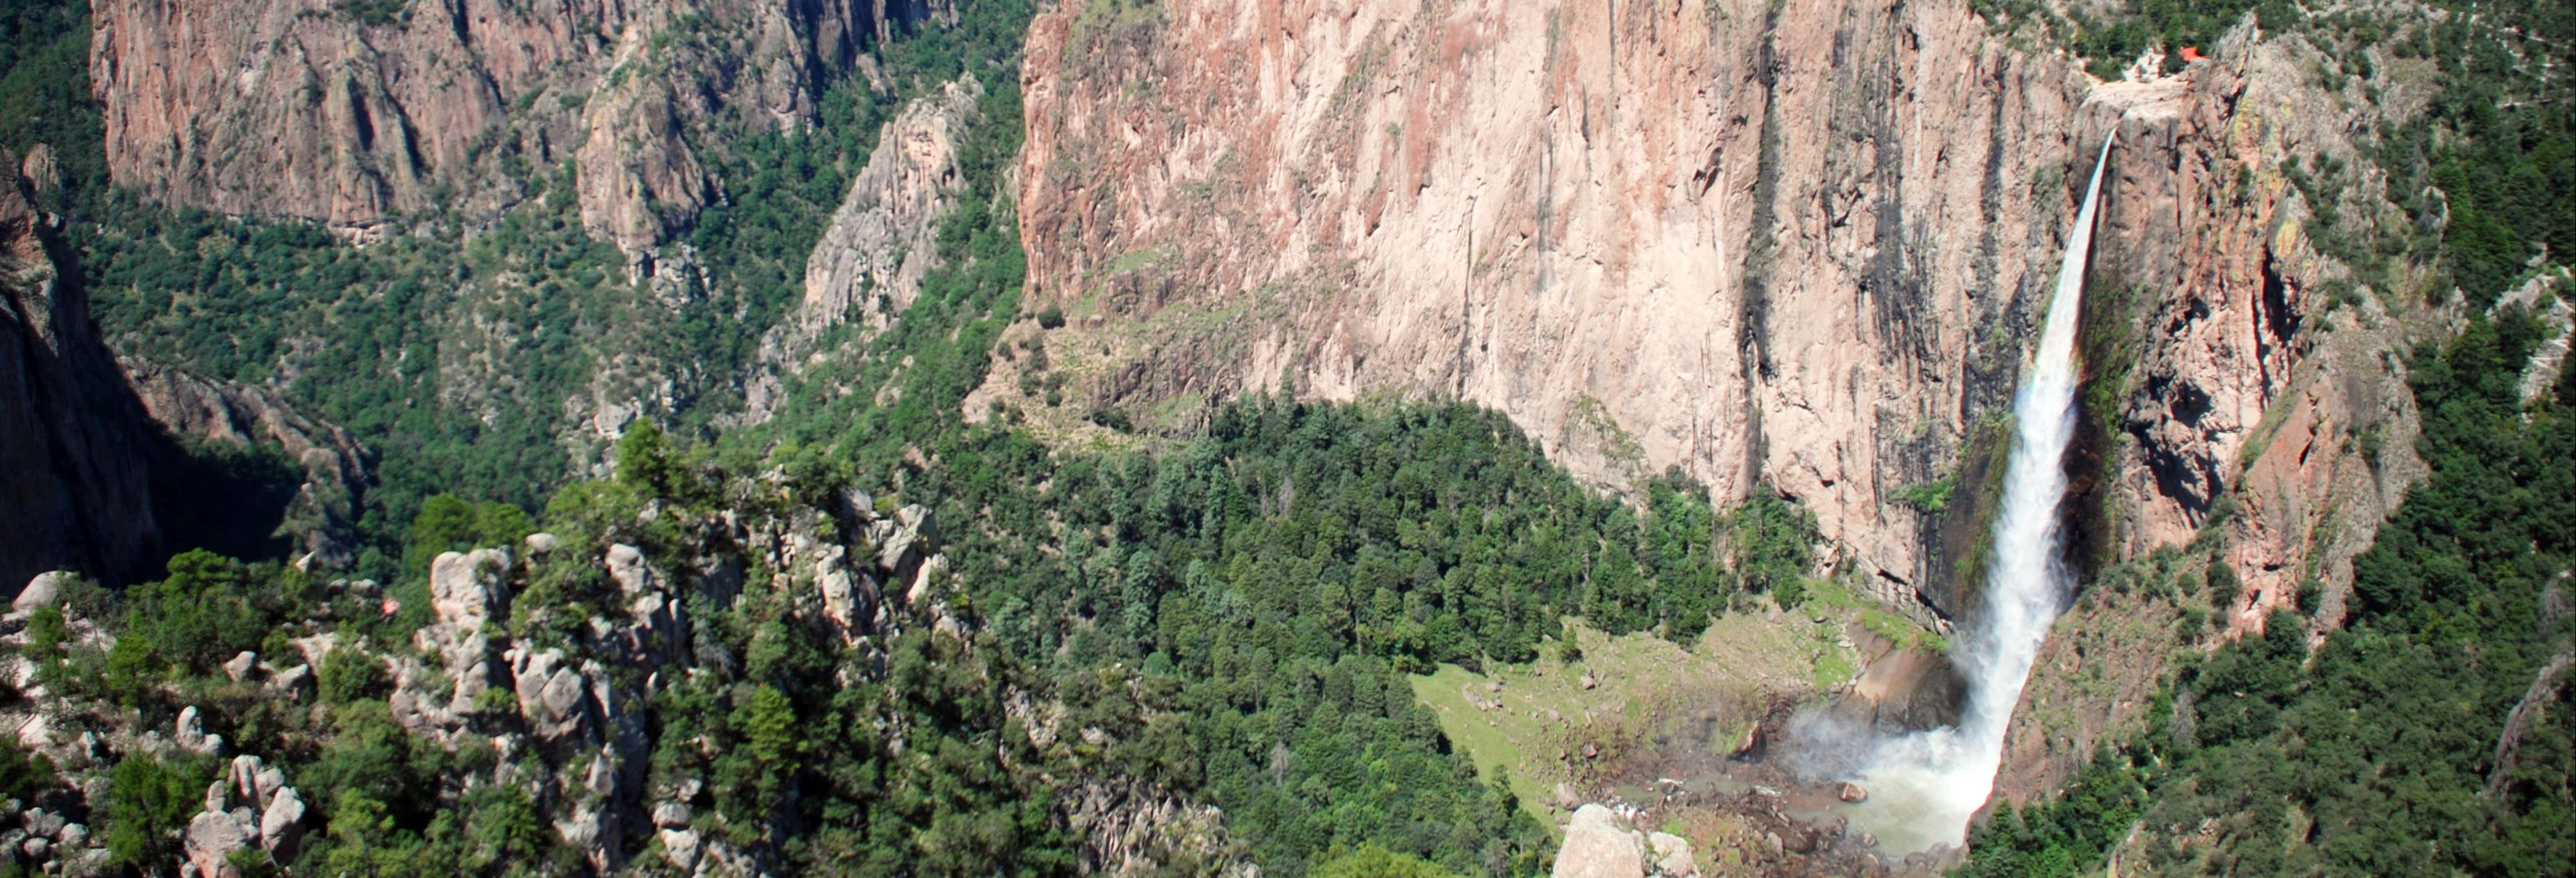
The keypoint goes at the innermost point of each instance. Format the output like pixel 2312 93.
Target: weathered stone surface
pixel 42 590
pixel 335 468
pixel 1600 845
pixel 626 568
pixel 73 441
pixel 868 265
pixel 188 733
pixel 281 827
pixel 43 823
pixel 1672 855
pixel 671 815
pixel 210 838
pixel 239 667
pixel 468 589
pixel 1799 243
pixel 680 848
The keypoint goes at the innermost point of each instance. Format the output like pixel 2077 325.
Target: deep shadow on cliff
pixel 94 482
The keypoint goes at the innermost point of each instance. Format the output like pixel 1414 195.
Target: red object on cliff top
pixel 2192 53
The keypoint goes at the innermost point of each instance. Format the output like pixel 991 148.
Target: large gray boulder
pixel 281 828
pixel 1600 845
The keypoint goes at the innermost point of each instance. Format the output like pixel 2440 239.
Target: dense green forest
pixel 1234 617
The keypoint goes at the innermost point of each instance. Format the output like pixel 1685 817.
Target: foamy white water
pixel 1924 786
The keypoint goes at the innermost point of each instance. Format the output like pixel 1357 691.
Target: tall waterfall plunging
pixel 1924 786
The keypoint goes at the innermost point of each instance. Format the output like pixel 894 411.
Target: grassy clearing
pixel 1530 720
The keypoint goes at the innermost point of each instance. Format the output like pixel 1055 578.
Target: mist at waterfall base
pixel 1924 786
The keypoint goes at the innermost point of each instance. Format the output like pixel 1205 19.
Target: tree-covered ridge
pixel 1226 622
pixel 2392 748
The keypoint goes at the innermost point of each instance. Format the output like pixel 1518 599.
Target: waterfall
pixel 1924 787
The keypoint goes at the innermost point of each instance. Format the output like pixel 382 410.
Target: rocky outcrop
pixel 868 266
pixel 2243 384
pixel 870 262
pixel 76 492
pixel 249 808
pixel 358 114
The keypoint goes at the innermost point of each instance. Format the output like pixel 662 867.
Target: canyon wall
pixel 1803 243
pixel 1800 244
pixel 101 477
pixel 358 113
pixel 76 495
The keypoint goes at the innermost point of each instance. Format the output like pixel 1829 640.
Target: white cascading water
pixel 1924 787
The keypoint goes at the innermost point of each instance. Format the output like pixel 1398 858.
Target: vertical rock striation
pixel 1793 244
pixel 1803 243
pixel 357 114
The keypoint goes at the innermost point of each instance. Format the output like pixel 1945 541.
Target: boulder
pixel 680 849
pixel 43 591
pixel 467 589
pixel 45 824
pixel 1600 845
pixel 626 567
pixel 1851 792
pixel 541 543
pixel 191 735
pixel 1563 796
pixel 37 848
pixel 211 838
pixel 671 815
pixel 240 666
pixel 74 836
pixel 281 828
pixel 292 681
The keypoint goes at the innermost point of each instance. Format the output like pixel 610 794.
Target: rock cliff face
pixel 883 240
pixel 91 443
pixel 1794 245
pixel 76 495
pixel 358 113
pixel 1803 243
